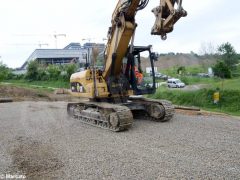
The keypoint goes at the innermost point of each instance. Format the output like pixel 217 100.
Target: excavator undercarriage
pixel 104 115
pixel 119 117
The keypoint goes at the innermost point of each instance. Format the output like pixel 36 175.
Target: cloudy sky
pixel 26 23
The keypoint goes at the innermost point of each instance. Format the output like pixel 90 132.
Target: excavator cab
pixel 140 82
pixel 133 76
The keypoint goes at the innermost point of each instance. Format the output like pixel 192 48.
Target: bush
pixel 42 75
pixel 4 71
pixel 185 80
pixel 17 76
pixel 181 70
pixel 222 70
pixel 10 75
pixel 38 72
pixel 54 72
pixel 32 71
pixel 236 72
pixel 70 69
pixel 229 99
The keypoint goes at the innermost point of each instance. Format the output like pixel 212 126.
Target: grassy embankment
pixel 229 92
pixel 229 95
pixel 43 85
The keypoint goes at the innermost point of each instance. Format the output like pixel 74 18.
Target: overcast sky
pixel 26 23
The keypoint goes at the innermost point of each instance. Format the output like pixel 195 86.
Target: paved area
pixel 38 140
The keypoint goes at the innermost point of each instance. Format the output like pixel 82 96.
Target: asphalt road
pixel 38 140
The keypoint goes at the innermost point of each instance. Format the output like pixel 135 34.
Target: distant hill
pixel 168 61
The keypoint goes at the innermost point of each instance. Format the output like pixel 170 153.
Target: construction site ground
pixel 39 140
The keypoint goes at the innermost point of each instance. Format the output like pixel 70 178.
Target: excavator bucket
pixel 167 14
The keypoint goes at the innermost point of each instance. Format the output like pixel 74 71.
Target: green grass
pixel 230 84
pixel 190 80
pixel 224 84
pixel 188 70
pixel 229 99
pixel 229 92
pixel 45 85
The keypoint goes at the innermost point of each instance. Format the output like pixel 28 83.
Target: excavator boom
pixel 123 27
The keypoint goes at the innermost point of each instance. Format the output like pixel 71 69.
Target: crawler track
pixel 119 117
pixel 104 115
pixel 165 109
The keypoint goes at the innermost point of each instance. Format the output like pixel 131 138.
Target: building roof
pixel 73 46
pixel 55 53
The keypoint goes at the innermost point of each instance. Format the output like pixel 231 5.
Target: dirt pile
pixel 169 61
pixel 27 94
pixel 19 93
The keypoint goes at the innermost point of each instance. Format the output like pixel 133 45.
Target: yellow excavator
pixel 112 91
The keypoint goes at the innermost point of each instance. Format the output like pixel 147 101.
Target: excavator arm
pixel 123 27
pixel 119 35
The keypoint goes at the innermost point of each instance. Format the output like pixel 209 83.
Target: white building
pixel 72 53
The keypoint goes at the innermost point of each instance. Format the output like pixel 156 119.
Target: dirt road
pixel 37 139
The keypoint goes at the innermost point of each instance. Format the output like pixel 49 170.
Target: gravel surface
pixel 37 139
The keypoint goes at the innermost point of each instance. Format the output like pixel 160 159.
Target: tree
pixel 181 70
pixel 222 70
pixel 32 70
pixel 54 72
pixel 228 55
pixel 42 74
pixel 4 71
pixel 70 69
